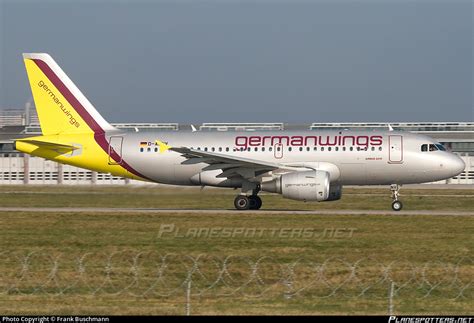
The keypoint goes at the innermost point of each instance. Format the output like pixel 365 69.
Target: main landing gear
pixel 248 202
pixel 243 202
pixel 396 204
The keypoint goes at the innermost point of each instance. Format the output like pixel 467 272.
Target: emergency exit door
pixel 278 151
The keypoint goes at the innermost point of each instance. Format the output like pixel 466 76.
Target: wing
pixel 231 166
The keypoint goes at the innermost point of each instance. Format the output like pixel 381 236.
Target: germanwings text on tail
pixel 301 165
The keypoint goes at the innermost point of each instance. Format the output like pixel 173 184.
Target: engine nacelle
pixel 335 192
pixel 302 186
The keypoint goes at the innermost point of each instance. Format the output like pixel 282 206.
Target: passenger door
pixel 395 149
pixel 115 150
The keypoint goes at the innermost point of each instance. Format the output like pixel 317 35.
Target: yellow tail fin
pixel 61 107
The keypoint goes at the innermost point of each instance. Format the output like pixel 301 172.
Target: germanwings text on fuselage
pixel 256 141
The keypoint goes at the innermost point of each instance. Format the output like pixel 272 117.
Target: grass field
pixel 193 198
pixel 86 263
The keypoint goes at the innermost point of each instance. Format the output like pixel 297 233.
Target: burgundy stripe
pixel 99 133
pixel 69 96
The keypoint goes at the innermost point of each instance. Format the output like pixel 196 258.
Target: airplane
pixel 306 165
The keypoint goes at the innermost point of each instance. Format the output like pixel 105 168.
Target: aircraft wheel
pixel 397 205
pixel 255 202
pixel 242 202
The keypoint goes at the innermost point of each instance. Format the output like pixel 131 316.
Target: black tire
pixel 242 202
pixel 255 202
pixel 397 205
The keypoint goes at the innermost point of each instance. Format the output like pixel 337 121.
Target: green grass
pixel 193 198
pixel 418 250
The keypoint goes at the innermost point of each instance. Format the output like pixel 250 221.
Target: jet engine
pixel 335 192
pixel 311 185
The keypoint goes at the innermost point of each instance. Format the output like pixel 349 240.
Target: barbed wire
pixel 149 274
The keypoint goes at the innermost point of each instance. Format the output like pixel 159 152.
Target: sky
pixel 250 61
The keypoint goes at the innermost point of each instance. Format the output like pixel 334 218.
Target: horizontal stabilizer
pixel 49 145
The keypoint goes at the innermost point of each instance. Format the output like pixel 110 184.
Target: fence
pixel 149 274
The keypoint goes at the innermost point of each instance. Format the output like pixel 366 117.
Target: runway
pixel 230 211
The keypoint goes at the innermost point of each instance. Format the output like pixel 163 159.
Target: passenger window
pixel 156 149
pixel 289 148
pixel 329 148
pixel 141 150
pixel 220 148
pixel 270 148
pixel 263 148
pixel 256 149
pixel 424 147
pixel 307 148
pixel 226 148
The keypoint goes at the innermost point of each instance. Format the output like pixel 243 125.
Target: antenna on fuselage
pixel 193 128
pixel 389 127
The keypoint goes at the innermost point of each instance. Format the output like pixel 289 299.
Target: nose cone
pixel 455 165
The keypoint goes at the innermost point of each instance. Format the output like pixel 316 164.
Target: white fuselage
pixel 352 157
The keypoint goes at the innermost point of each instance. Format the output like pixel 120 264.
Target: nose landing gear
pixel 397 205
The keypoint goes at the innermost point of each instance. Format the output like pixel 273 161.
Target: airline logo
pixel 55 99
pixel 256 141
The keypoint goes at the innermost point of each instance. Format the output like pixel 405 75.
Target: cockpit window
pixel 441 147
pixel 433 147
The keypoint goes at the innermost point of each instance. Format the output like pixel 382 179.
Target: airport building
pixel 18 168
